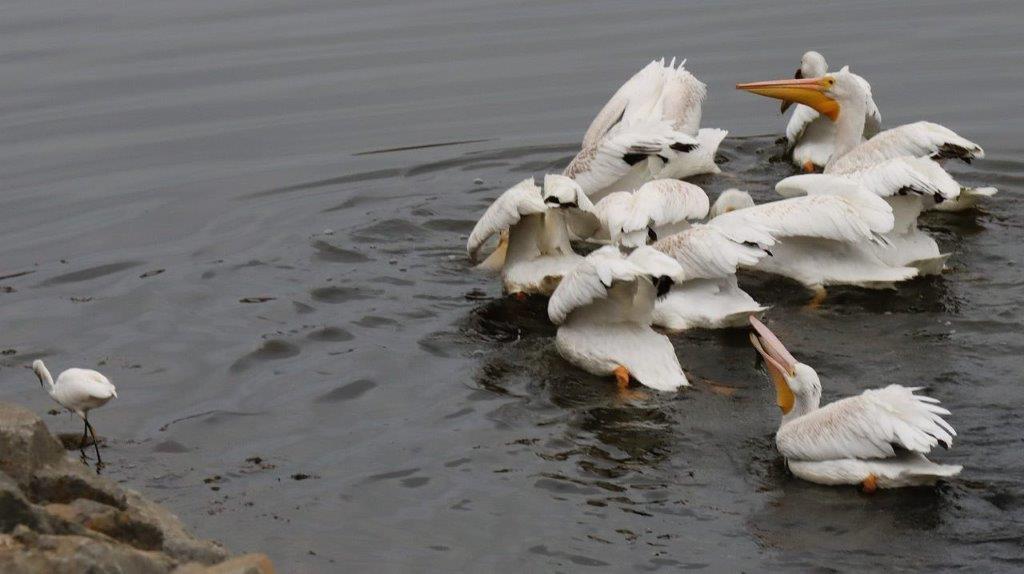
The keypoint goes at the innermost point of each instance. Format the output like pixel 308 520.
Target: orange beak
pixel 779 361
pixel 807 91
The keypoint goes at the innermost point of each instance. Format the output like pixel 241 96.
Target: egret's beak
pixel 807 91
pixel 781 364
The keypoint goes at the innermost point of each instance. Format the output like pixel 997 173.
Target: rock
pixel 25 443
pixel 57 515
pixel 244 564
pixel 24 553
pixel 15 509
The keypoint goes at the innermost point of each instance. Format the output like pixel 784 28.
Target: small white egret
pixel 79 391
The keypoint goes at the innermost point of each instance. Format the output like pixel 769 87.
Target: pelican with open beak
pixel 877 439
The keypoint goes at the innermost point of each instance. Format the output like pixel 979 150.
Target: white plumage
pixel 877 439
pixel 533 251
pixel 649 129
pixel 810 135
pixel 632 219
pixel 79 391
pixel 896 164
pixel 603 309
pixel 818 240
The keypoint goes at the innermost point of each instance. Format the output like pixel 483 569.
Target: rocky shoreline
pixel 57 515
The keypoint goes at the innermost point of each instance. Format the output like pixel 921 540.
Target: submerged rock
pixel 56 515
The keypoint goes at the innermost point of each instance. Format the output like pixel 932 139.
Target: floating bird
pixel 79 391
pixel 811 136
pixel 660 207
pixel 817 240
pixel 877 439
pixel 649 129
pixel 889 165
pixel 533 251
pixel 603 311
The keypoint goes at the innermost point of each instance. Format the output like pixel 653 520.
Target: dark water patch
pixel 216 416
pixel 389 231
pixel 453 225
pixel 16 275
pixel 90 273
pixel 329 182
pixel 333 254
pixel 330 334
pixel 373 321
pixel 333 294
pixel 261 299
pixel 302 308
pixel 414 482
pixel 347 392
pixel 170 446
pixel 420 146
pixel 573 558
pixel 270 350
pixel 391 475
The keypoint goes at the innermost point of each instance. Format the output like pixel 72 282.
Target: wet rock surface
pixel 57 515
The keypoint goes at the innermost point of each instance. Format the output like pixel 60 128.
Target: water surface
pixel 252 216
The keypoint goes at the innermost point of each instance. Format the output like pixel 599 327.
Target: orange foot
pixel 818 298
pixel 624 392
pixel 808 166
pixel 869 485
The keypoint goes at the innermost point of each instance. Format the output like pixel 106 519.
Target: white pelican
pixel 810 135
pixel 817 240
pixel 658 208
pixel 603 309
pixel 889 164
pixel 533 251
pixel 649 129
pixel 79 391
pixel 877 439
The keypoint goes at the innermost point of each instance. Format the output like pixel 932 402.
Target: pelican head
pixel 812 65
pixel 562 191
pixel 731 200
pixel 827 94
pixel 794 381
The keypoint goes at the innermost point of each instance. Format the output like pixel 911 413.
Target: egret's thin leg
pixel 81 443
pixel 95 442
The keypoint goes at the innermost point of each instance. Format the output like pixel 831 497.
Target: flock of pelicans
pixel 669 257
pixel 855 223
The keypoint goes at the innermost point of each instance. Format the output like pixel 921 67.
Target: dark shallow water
pixel 164 163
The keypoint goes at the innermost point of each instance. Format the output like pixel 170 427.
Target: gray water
pixel 161 162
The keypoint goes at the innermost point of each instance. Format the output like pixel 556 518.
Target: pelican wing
pixel 799 121
pixel 627 216
pixel 869 425
pixel 522 199
pixel 709 251
pixel 919 139
pixel 657 91
pixel 849 217
pixel 644 85
pixel 905 174
pixel 600 165
pixel 873 117
pixel 682 98
pixel 891 177
pixel 590 281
